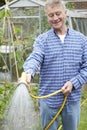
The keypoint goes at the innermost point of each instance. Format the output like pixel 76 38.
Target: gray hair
pixel 53 3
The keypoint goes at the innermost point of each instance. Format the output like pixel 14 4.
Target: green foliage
pixel 83 119
pixel 20 59
pixel 9 40
pixel 44 22
pixel 6 91
pixel 2 14
pixel 36 79
pixel 34 91
pixel 70 6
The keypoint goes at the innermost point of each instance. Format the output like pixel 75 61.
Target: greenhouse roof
pixel 24 3
pixel 27 3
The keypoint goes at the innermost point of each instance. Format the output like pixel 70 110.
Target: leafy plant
pixel 6 91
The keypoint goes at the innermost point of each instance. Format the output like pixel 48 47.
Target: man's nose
pixel 55 17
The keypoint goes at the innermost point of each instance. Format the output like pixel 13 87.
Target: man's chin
pixel 56 28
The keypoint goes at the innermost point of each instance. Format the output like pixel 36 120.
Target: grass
pixel 83 118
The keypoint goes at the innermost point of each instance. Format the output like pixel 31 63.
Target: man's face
pixel 56 16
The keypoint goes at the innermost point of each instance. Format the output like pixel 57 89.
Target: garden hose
pixel 45 96
pixel 23 78
pixel 61 108
pixel 60 127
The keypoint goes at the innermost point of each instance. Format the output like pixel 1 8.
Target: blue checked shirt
pixel 59 62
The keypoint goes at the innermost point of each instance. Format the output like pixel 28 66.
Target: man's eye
pixel 57 14
pixel 50 15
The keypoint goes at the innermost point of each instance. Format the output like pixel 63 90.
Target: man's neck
pixel 61 31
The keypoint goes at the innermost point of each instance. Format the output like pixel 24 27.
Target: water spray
pixel 20 114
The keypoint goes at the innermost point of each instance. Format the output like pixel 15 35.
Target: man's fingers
pixel 66 90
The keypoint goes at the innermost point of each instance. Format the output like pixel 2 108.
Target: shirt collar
pixel 68 31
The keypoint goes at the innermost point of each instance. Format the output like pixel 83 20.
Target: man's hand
pixel 67 88
pixel 28 79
